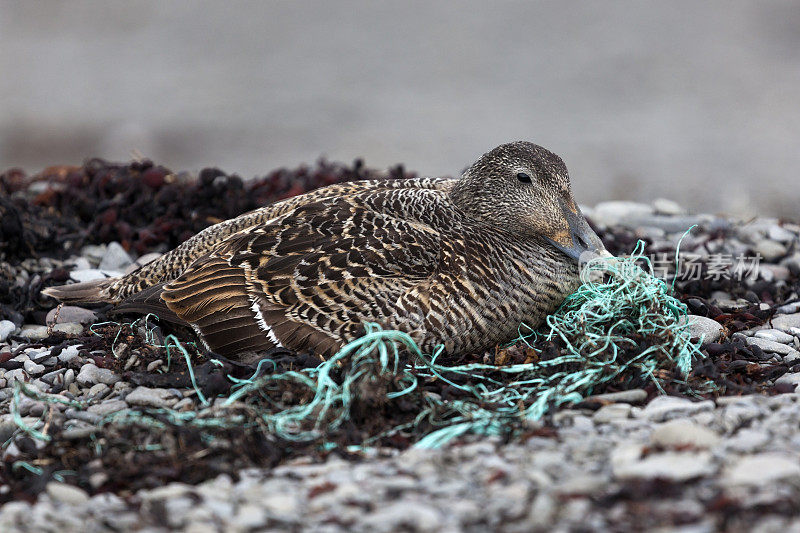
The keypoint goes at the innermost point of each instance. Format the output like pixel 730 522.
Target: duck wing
pixel 308 279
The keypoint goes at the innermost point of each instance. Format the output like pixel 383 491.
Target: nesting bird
pixel 459 262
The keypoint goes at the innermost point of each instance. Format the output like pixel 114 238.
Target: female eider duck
pixel 458 262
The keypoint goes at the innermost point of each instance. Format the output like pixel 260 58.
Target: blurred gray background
pixel 698 102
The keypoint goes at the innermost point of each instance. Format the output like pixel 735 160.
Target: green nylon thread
pixel 617 301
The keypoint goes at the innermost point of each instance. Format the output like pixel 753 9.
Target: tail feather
pixel 95 291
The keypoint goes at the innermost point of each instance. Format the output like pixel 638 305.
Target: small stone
pixel 154 365
pixel 779 234
pixel 91 374
pixel 663 408
pixel 70 328
pixel 98 479
pixel 775 273
pixel 69 353
pixel 667 207
pixel 403 515
pixel 149 397
pixel 762 469
pixel 6 328
pixel 769 250
pixel 185 404
pixel 98 390
pixel 784 322
pixel 775 335
pixel 629 462
pixel 67 494
pixel 115 257
pixel 250 517
pixel 782 310
pixel 93 252
pixel 71 313
pixel 789 379
pixel 79 263
pixel 50 377
pixel 132 360
pixel 792 358
pixel 748 440
pixel 682 432
pixel 626 396
pixel 769 346
pixel 700 326
pixel 32 368
pixel 17 374
pixel 612 411
pixel 107 407
pixel 69 378
pixel 34 332
pixel 90 274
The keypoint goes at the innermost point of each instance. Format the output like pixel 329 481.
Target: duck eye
pixel 524 178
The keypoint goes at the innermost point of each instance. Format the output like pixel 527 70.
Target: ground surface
pixel 124 449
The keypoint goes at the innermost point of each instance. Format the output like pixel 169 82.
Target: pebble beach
pixel 622 460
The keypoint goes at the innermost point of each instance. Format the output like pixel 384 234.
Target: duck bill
pixel 582 243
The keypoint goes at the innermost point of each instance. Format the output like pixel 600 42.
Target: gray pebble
pixel 700 326
pixel 93 252
pixel 769 346
pixel 51 377
pixel 107 407
pixel 683 432
pixel 779 234
pixel 151 397
pixel 115 258
pixel 612 411
pixel 90 274
pixel 34 332
pixel 627 396
pixel 250 517
pixel 79 263
pixel 630 462
pixel 84 416
pixel 69 378
pixel 748 440
pixel 32 368
pixel 775 335
pixel 68 494
pixel 770 250
pixel 789 379
pixel 788 308
pixel 762 469
pixel 90 374
pixel 792 358
pixel 71 313
pixel 70 328
pixel 6 328
pixel 784 322
pixel 69 353
pixel 98 390
pixel 664 408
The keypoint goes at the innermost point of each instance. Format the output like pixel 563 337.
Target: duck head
pixel 524 188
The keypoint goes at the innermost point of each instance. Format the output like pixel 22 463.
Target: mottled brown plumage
pixel 453 262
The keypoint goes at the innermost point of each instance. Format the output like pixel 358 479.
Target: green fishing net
pixel 622 328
